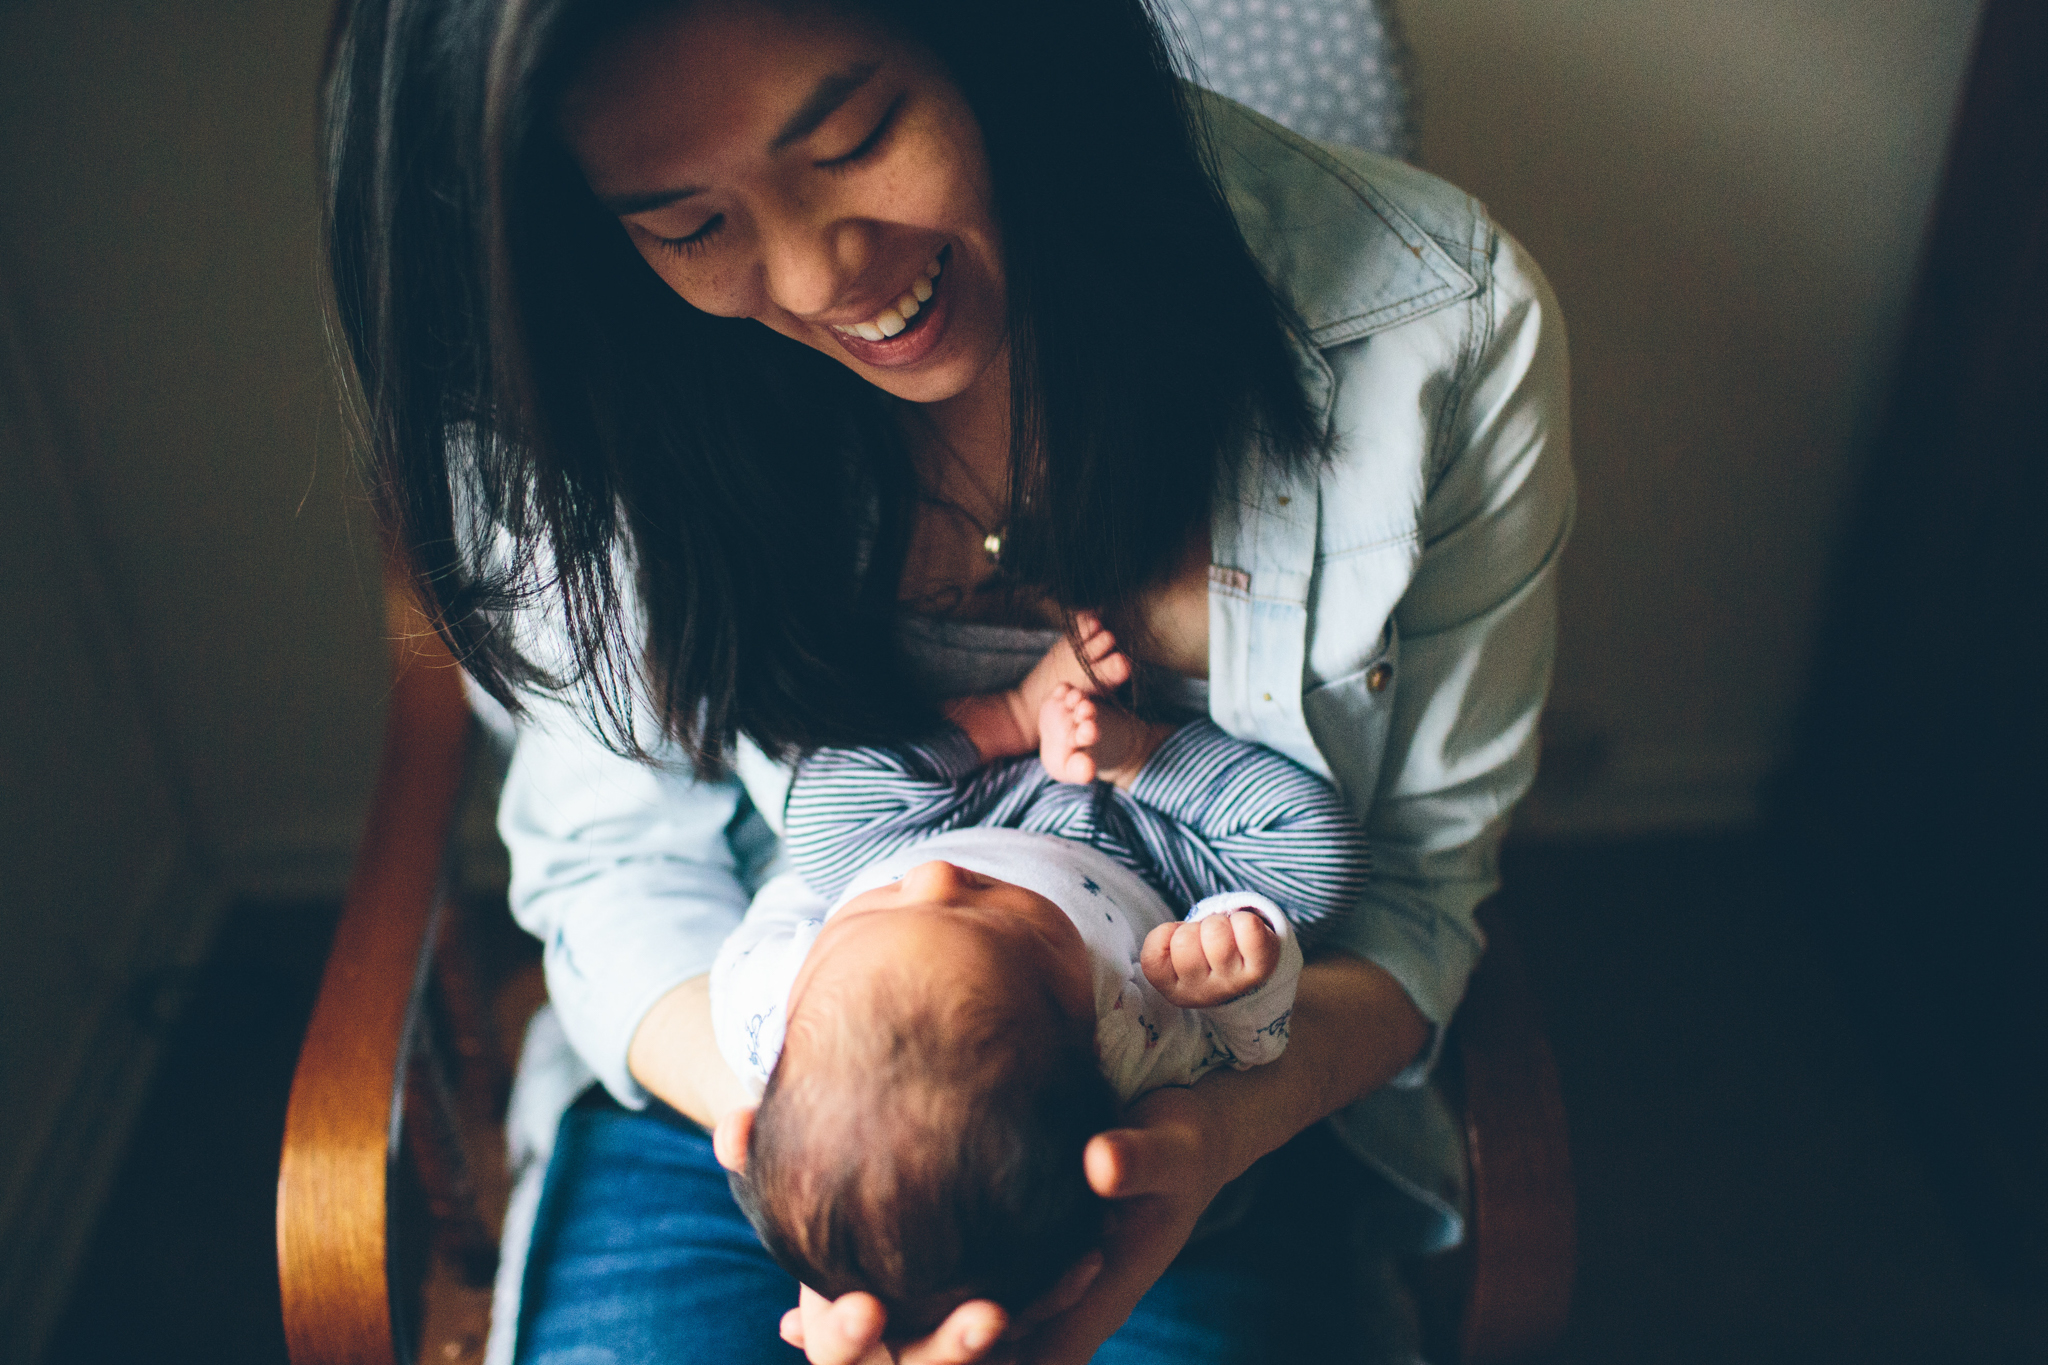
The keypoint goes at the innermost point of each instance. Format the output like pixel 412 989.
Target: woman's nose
pixel 811 265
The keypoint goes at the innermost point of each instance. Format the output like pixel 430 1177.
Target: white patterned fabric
pixel 1142 1040
pixel 1333 70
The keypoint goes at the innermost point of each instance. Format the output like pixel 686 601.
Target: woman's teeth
pixel 897 315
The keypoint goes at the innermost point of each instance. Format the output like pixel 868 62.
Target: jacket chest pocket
pixel 1350 718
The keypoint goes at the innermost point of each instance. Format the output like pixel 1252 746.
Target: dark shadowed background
pixel 1771 884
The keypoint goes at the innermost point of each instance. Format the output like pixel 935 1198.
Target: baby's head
pixel 921 1135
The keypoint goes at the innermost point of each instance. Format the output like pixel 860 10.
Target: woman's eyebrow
pixel 824 100
pixel 626 205
pixel 830 93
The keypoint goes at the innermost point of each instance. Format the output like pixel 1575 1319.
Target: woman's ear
pixel 729 1138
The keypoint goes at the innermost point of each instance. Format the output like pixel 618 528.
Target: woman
pixel 742 377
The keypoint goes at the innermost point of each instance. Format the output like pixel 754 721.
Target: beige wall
pixel 1729 198
pixel 158 233
pixel 193 704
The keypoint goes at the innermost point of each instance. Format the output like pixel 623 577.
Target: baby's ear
pixel 729 1138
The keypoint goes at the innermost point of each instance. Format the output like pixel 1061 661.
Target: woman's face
pixel 803 168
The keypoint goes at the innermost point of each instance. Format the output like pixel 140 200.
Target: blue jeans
pixel 640 1257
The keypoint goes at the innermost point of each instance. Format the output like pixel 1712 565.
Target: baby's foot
pixel 1068 732
pixel 1211 961
pixel 1093 666
pixel 1081 740
pixel 1003 724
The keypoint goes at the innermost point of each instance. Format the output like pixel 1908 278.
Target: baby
pixel 976 965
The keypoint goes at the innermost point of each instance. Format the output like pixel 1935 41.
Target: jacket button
pixel 1377 679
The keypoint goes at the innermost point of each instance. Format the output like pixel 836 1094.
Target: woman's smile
pixel 620 502
pixel 907 329
pixel 821 177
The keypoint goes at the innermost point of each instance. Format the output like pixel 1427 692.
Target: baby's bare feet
pixel 1081 739
pixel 1069 662
pixel 1208 962
pixel 1003 724
pixel 1068 732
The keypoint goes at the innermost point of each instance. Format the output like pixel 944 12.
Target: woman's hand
pixel 1162 1171
pixel 1353 1029
pixel 848 1330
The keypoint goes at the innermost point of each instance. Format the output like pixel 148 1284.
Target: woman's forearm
pixel 1353 1029
pixel 675 1055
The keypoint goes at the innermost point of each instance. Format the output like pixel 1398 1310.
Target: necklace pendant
pixel 992 546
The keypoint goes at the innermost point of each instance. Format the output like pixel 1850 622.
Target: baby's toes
pixel 1060 747
pixel 1107 665
pixel 1087 729
pixel 1113 670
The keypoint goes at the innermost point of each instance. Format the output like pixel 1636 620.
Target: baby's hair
pixel 930 1158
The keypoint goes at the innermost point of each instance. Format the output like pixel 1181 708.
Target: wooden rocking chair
pixel 380 1169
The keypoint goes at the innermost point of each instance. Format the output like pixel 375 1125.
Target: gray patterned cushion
pixel 1335 70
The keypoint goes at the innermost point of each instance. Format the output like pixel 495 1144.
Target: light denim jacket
pixel 1387 621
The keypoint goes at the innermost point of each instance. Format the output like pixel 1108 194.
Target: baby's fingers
pixel 1257 944
pixel 1219 946
pixel 1155 958
pixel 1190 954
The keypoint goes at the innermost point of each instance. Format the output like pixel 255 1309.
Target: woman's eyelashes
pixel 690 245
pixel 847 161
pixel 868 145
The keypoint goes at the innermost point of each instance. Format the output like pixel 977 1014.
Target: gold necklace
pixel 992 537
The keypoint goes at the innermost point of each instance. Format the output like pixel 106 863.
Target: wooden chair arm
pixel 334 1176
pixel 1508 1289
pixel 1522 1246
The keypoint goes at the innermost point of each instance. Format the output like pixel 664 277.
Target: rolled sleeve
pixel 628 875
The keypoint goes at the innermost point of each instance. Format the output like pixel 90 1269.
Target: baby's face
pixel 948 924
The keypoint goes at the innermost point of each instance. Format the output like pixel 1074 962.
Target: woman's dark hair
pixel 542 417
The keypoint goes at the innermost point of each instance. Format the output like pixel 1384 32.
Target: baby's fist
pixel 1200 964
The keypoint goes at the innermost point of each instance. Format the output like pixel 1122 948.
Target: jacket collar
pixel 1348 259
pixel 1351 263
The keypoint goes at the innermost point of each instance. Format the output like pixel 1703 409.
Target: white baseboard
pixel 309 862
pixel 311 859
pixel 1648 789
pixel 1613 793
